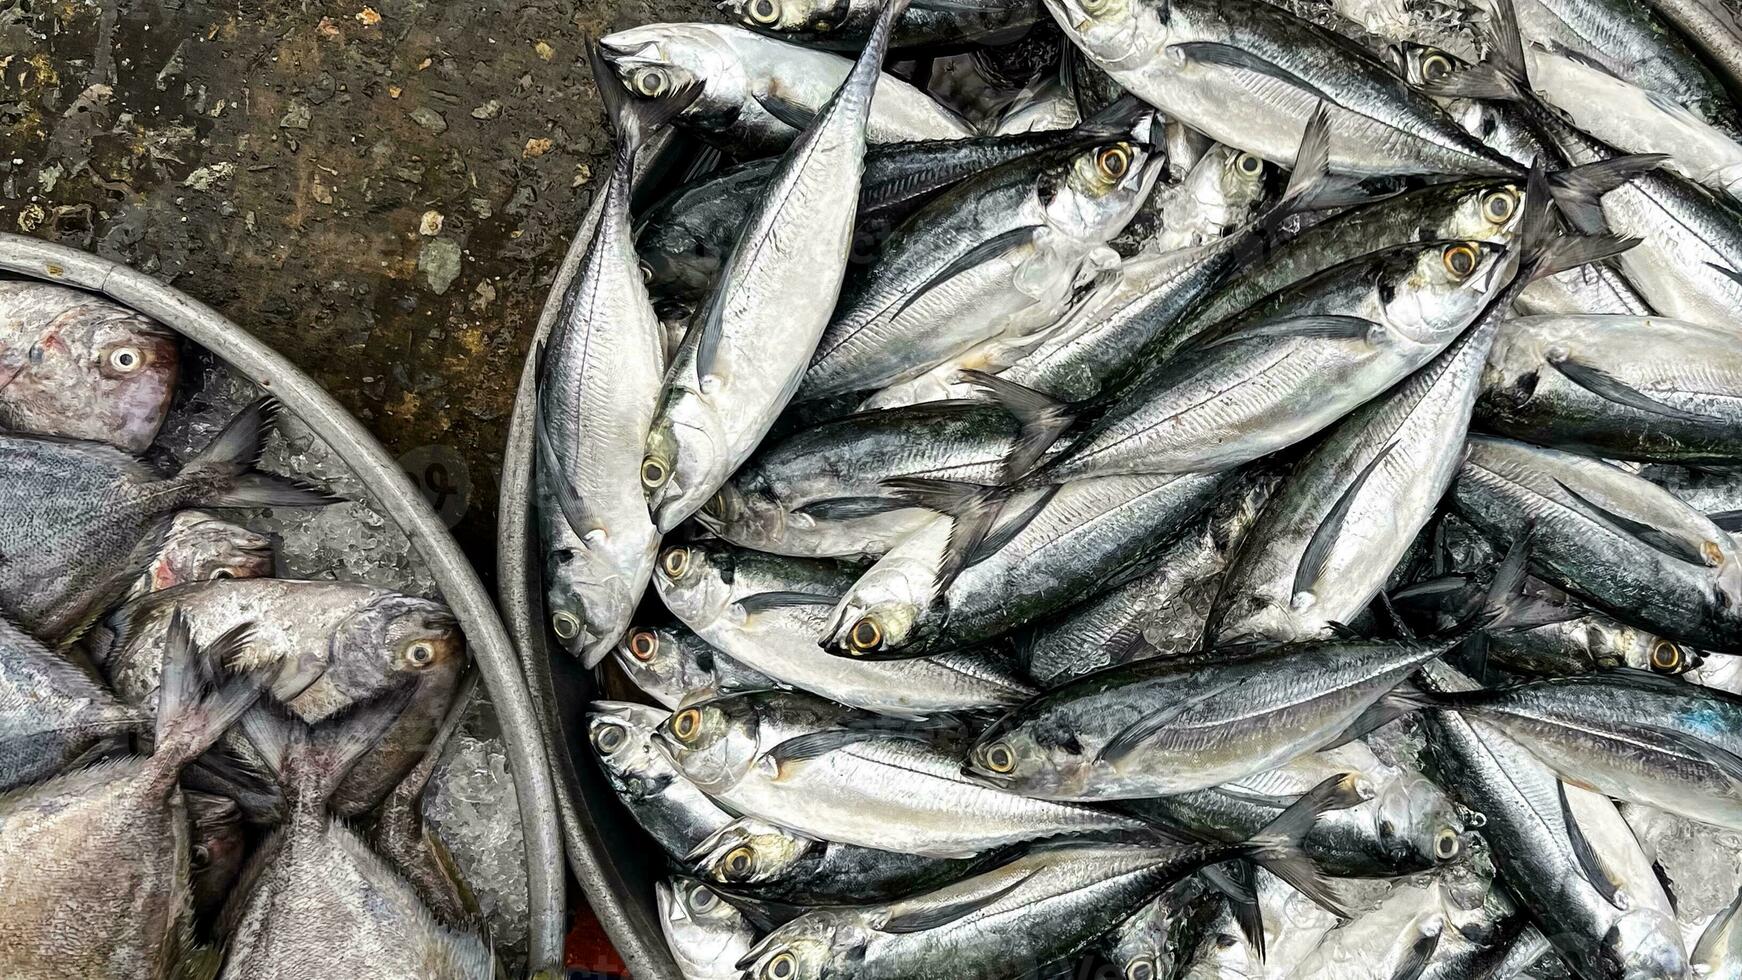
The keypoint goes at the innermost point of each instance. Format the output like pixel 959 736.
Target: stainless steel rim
pixel 383 478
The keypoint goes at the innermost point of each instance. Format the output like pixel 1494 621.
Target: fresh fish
pixel 1219 195
pixel 672 810
pixel 1152 944
pixel 758 93
pixel 768 612
pixel 1046 105
pixel 735 372
pixel 996 258
pixel 1249 75
pixel 316 900
pixel 94 863
pixel 775 864
pixel 202 547
pixel 707 936
pixel 674 666
pixel 80 366
pixel 1617 386
pixel 52 713
pixel 1043 906
pixel 915 602
pixel 1397 939
pixel 1292 927
pixel 1618 542
pixel 1713 28
pixel 1500 126
pixel 216 853
pixel 846 24
pixel 79 519
pixel 832 774
pixel 598 382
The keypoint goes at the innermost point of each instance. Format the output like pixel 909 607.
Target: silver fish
pixel 1219 195
pixel 672 810
pixel 674 666
pixel 706 935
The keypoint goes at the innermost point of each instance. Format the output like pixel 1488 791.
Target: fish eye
pixel 654 473
pixel 1498 206
pixel 1713 554
pixel 1435 67
pixel 126 359
pixel 1095 6
pixel 703 900
pixel 1460 260
pixel 1446 844
pixel 220 574
pixel 763 11
pixel 1140 969
pixel 1249 165
pixel 865 636
pixel 1000 759
pixel 687 724
pixel 782 967
pixel 36 354
pixel 643 644
pixel 739 863
pixel 1666 657
pixel 652 82
pixel 201 857
pixel 675 561
pixel 609 738
pixel 566 625
pixel 1114 161
pixel 1387 830
pixel 421 654
pixel 646 272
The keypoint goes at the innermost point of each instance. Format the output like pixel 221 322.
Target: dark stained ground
pixel 381 191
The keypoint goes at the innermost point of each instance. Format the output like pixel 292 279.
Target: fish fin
pixel 1392 705
pixel 1725 761
pixel 924 919
pixel 1043 418
pixel 1578 191
pixel 223 473
pixel 795 114
pixel 1003 532
pixel 1415 962
pixel 985 251
pixel 1236 881
pixel 1118 118
pixel 311 761
pixel 814 745
pixel 707 329
pixel 973 509
pixel 1726 272
pixel 1277 846
pixel 191 716
pixel 764 601
pixel 1638 530
pixel 849 508
pixel 1328 327
pixel 1229 56
pixel 1590 866
pixel 1729 520
pixel 1146 729
pixel 227 774
pixel 567 500
pixel 1573 251
pixel 1318 549
pixel 1476 81
pixel 1610 388
pixel 1713 934
pixel 1310 185
pixel 1506 46
pixel 634 120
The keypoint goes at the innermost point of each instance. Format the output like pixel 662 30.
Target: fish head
pixel 1240 176
pixel 1417 824
pixel 653 657
pixel 1101 188
pixel 809 947
pixel 695 582
pixel 817 17
pixel 1630 647
pixel 656 61
pixel 392 640
pixel 704 928
pixel 1433 290
pixel 745 516
pixel 589 602
pixel 872 620
pixel 1115 33
pixel 621 733
pixel 748 852
pixel 200 547
pixel 95 371
pixel 712 742
pixel 218 847
pixel 687 458
pixel 1031 759
pixel 1643 944
pixel 1423 64
pixel 1485 210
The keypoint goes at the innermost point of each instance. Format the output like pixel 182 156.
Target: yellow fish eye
pixel 1498 206
pixel 675 562
pixel 1000 759
pixel 1114 161
pixel 782 967
pixel 687 724
pixel 1666 657
pixel 1435 66
pixel 643 644
pixel 865 636
pixel 1460 260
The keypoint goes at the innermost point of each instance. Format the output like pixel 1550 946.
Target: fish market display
pixel 1213 489
pixel 193 708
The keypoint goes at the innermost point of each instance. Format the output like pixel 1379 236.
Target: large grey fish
pixel 672 665
pixel 994 259
pixel 1038 908
pixel 759 93
pixel 1543 854
pixel 598 384
pixel 746 354
pixel 1617 386
pixel 820 491
pixel 673 811
pixel 832 774
pixel 1620 543
pixel 928 24
pixel 706 935
pixel 83 367
pixel 1405 825
pixel 79 519
pixel 916 601
pixel 772 863
pixel 316 900
pixel 1249 75
pixel 768 612
pixel 1633 735
pixel 1290 366
pixel 51 711
pixel 94 863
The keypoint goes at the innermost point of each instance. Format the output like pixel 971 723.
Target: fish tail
pixel 223 474
pixel 1578 191
pixel 191 714
pixel 1277 846
pixel 311 761
pixel 1042 418
pixel 972 508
